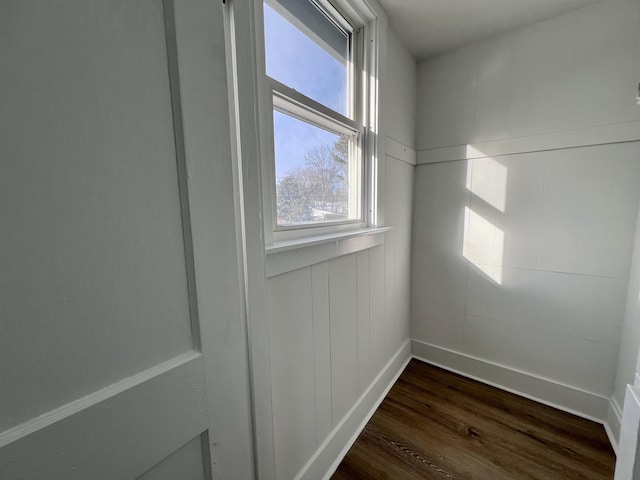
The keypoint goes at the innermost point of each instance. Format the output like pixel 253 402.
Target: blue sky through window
pixel 290 154
pixel 297 61
pixel 302 64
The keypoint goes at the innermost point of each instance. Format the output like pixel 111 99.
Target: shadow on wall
pixel 483 243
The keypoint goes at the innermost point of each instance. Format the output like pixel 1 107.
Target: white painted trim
pixel 611 437
pixel 181 154
pixel 93 437
pixel 285 258
pixel 316 235
pixel 329 455
pixel 400 151
pixel 626 467
pixel 361 12
pixel 293 103
pixel 49 418
pixel 204 77
pixel 613 423
pixel 616 133
pixel 570 399
pixel 249 114
pixel 376 35
pixel 306 242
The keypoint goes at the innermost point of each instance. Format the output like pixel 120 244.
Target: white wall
pixel 335 325
pixel 399 117
pixel 574 71
pixel 521 259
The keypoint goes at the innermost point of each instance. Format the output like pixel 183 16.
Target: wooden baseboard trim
pixel 585 404
pixel 327 458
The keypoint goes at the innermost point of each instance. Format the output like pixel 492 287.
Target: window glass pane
pixel 316 182
pixel 311 56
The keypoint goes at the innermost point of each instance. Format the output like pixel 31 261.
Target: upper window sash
pixel 329 52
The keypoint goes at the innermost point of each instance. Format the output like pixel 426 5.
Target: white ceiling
pixel 428 27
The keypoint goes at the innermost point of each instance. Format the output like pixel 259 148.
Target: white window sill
pixel 291 255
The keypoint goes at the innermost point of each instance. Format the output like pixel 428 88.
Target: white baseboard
pixel 613 423
pixel 327 458
pixel 585 404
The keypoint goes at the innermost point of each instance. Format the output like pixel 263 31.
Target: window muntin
pixel 317 174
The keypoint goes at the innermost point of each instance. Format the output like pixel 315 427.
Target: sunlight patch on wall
pixel 483 245
pixel 487 178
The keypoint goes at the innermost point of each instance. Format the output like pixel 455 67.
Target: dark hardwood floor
pixel 434 424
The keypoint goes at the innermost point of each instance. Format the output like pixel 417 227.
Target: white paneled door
pixel 123 348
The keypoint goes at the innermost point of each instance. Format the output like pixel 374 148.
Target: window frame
pixel 291 102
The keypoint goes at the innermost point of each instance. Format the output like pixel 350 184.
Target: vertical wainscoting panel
pixel 377 297
pixel 321 348
pixel 391 298
pixel 364 312
pixel 334 327
pixel 344 335
pixel 292 369
pixel 403 215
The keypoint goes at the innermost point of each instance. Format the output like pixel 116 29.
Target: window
pixel 318 170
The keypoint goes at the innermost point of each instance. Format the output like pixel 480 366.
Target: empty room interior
pixel 231 229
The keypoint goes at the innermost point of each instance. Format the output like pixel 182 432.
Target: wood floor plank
pixel 437 425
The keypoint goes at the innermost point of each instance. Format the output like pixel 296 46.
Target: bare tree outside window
pixel 317 191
